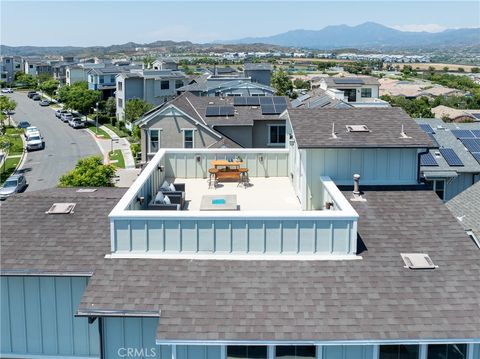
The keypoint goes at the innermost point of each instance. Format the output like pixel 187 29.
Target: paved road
pixel 63 144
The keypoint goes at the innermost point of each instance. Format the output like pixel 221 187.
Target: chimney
pixel 356 184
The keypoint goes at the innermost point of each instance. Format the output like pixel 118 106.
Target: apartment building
pixel 9 67
pixel 355 89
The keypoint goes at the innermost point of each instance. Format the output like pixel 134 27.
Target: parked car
pixel 36 97
pixel 30 94
pixel 7 90
pixel 23 124
pixel 60 112
pixel 8 112
pixel 13 184
pixel 29 130
pixel 66 116
pixel 35 142
pixel 77 122
pixel 44 103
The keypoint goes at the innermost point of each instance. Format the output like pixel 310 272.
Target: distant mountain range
pixel 367 35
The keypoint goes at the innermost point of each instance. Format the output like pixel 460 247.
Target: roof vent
pixel 61 208
pixel 417 261
pixel 86 190
pixel 210 103
pixel 357 128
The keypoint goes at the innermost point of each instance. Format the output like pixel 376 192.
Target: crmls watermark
pixel 137 352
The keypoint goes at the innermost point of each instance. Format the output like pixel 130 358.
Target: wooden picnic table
pixel 225 163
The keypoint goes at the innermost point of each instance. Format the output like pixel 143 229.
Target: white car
pixel 30 129
pixel 35 141
pixel 7 90
pixel 65 117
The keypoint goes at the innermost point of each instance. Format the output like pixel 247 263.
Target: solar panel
pixel 239 101
pixel 212 111
pixel 462 133
pixel 279 100
pixel 451 157
pixel 348 81
pixel 266 100
pixel 472 144
pixel 476 155
pixel 279 108
pixel 253 101
pixel 427 128
pixel 268 110
pixel 427 159
pixel 227 110
pixel 476 115
pixel 476 133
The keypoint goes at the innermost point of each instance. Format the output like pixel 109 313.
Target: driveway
pixel 64 146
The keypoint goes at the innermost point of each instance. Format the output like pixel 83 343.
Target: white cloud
pixel 420 27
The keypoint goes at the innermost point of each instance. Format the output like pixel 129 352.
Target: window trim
pixel 269 139
pixel 159 130
pixel 366 88
pixel 193 136
pixel 161 85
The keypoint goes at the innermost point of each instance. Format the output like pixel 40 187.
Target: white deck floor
pixel 263 194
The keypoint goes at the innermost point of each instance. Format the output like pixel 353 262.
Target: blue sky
pixel 86 23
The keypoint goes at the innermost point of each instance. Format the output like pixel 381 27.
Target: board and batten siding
pixel 383 166
pixel 459 184
pixel 230 236
pixel 37 318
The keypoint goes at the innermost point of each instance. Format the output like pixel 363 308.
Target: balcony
pixel 268 222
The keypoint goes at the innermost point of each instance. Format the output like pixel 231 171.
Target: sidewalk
pixel 122 144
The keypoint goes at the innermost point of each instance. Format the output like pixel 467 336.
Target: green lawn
pixel 8 167
pixel 119 132
pixel 14 136
pixel 117 156
pixel 101 133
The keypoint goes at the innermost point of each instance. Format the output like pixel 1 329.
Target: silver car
pixel 66 116
pixel 14 184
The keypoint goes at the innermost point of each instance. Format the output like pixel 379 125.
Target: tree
pixel 79 98
pixel 148 61
pixel 89 172
pixel 44 77
pixel 49 86
pixel 110 106
pixel 281 82
pixel 135 108
pixel 445 69
pixel 301 84
pixel 26 80
pixel 461 69
pixel 7 105
pixel 475 70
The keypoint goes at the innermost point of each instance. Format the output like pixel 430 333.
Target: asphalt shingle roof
pixel 368 299
pixel 466 208
pixel 313 128
pixel 367 80
pixel 33 242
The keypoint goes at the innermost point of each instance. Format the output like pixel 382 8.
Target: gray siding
pixel 37 318
pixel 260 132
pixel 459 184
pixel 240 134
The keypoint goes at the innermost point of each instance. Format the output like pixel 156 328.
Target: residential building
pixel 355 89
pixel 227 86
pixel 104 79
pixel 153 86
pixel 455 114
pixel 318 98
pixel 302 267
pixel 165 64
pixel 10 66
pixel 190 121
pixel 416 88
pixel 36 67
pixel 259 72
pixel 79 72
pixel 466 208
pixel 60 70
pixel 454 165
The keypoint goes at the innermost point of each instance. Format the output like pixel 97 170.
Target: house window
pixel 120 102
pixel 120 86
pixel 178 84
pixel 7 61
pixel 30 66
pixel 276 135
pixel 295 352
pixel 164 85
pixel 102 80
pixel 246 352
pixel 112 79
pixel 188 138
pixel 447 351
pixel 399 352
pixel 367 92
pixel 153 140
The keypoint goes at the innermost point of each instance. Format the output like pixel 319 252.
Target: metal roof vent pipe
pixel 357 195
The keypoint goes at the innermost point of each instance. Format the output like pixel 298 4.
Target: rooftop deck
pixel 263 194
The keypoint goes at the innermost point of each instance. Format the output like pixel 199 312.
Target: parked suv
pixel 66 116
pixel 13 184
pixel 36 97
pixel 60 112
pixel 77 122
pixel 35 141
pixel 29 130
pixel 30 94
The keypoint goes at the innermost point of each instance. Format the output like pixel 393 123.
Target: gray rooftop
pixel 366 80
pixel 313 128
pixel 318 98
pixel 466 208
pixel 35 243
pixel 213 84
pixel 369 299
pixel 446 139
